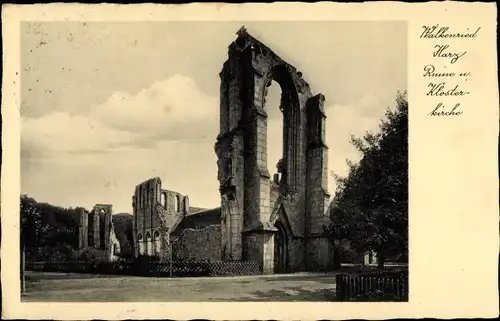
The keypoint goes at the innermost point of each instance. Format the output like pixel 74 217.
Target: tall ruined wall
pixel 103 212
pixel 198 244
pixel 83 229
pixel 249 200
pixel 318 248
pixel 156 212
pixel 96 231
pixel 114 248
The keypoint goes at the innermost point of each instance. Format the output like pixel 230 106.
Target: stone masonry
pixel 277 222
pixel 96 231
pixel 156 214
pixel 255 210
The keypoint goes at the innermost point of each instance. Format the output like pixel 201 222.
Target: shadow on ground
pixel 291 294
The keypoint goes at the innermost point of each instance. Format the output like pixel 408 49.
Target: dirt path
pixel 43 286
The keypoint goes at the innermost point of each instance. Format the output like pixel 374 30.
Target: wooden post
pixel 23 269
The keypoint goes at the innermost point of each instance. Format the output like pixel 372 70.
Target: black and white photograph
pixel 214 161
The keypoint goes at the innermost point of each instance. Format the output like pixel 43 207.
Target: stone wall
pixel 156 213
pixel 96 231
pixel 198 245
pixel 114 247
pixel 249 199
pixel 198 220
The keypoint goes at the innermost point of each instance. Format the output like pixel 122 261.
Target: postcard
pixel 254 161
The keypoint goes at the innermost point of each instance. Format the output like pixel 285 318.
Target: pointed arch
pixel 157 243
pixel 140 244
pixel 281 245
pixel 177 203
pixel 149 251
pixel 290 107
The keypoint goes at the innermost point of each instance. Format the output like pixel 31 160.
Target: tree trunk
pixel 23 268
pixel 381 261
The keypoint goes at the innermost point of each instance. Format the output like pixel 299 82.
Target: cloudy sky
pixel 106 106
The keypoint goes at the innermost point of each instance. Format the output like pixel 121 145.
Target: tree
pixel 32 226
pixel 370 207
pixel 48 231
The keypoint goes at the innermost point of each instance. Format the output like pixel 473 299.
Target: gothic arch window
pixel 287 104
pixel 275 140
pixel 163 200
pixel 149 249
pixel 186 204
pixel 157 243
pixel 177 203
pixel 140 243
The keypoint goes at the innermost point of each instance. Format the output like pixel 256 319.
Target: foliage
pixel 370 207
pixel 48 231
pixel 123 230
pixel 61 252
pixel 43 224
pixel 92 255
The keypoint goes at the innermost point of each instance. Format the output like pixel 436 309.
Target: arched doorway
pixel 280 249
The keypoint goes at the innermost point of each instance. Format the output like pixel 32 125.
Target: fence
pixel 157 269
pixel 373 286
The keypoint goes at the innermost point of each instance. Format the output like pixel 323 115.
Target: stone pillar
pixel 104 214
pixel 258 233
pixel 134 224
pixel 83 230
pixel 230 153
pixel 96 228
pixel 108 226
pixel 259 247
pixel 317 199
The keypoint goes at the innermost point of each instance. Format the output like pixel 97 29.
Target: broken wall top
pixel 263 59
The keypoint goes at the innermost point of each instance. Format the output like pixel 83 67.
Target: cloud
pixel 166 130
pixel 60 132
pixel 171 110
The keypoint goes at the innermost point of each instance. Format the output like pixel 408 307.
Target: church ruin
pixel 96 231
pixel 162 221
pixel 276 220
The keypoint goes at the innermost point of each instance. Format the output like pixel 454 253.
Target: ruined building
pixel 275 220
pixel 96 231
pixel 162 217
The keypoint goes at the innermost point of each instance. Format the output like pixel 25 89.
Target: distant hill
pixel 196 209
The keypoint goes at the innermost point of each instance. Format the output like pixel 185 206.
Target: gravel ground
pixel 72 287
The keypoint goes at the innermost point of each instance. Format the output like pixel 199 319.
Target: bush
pixel 92 255
pixel 59 253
